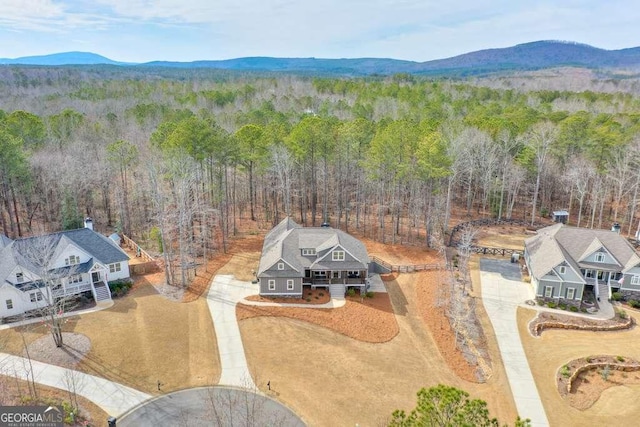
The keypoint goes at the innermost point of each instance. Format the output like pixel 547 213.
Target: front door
pixel 95 277
pixel 600 275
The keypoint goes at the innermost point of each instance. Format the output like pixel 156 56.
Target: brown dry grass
pixel 346 381
pixel 143 338
pixel 368 320
pixel 503 236
pixel 555 348
pixel 13 391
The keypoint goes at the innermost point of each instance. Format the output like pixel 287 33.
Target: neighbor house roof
pixel 557 243
pixel 287 239
pixel 100 249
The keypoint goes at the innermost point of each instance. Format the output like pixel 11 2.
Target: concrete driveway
pixel 502 292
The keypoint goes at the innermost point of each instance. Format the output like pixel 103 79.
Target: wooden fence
pixel 149 265
pixel 491 222
pixel 408 268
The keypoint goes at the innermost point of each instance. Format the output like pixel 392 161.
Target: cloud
pixel 407 29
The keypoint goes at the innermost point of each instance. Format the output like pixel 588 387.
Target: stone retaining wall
pixel 589 366
pixel 538 328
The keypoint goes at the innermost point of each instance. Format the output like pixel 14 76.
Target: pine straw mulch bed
pixel 434 314
pixel 545 320
pixel 369 319
pixel 582 381
pixel 314 297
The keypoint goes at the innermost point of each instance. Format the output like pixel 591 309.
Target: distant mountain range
pixel 528 56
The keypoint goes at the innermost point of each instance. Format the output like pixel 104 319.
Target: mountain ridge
pixel 525 56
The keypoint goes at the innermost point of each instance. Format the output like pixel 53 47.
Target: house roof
pixel 4 241
pixel 99 248
pixel 559 243
pixel 287 239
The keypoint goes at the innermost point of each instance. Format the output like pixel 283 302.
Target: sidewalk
pixel 113 398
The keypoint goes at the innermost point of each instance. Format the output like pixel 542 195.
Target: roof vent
pixel 325 225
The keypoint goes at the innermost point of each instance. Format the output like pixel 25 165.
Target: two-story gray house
pixel 294 256
pixel 564 262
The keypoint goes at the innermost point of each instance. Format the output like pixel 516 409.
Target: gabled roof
pixel 97 246
pixel 287 239
pixel 4 241
pixel 557 243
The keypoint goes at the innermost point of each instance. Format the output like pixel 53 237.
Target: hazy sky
pixel 184 30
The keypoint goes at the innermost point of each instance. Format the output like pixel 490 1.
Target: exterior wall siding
pixel 281 286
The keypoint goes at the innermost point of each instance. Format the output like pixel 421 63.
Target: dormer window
pixel 599 257
pixel 281 266
pixel 562 269
pixel 19 277
pixel 337 256
pixel 308 252
pixel 72 260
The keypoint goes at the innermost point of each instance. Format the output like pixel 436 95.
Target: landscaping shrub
pixel 616 296
pixel 634 303
pixel 321 294
pixel 562 306
pixel 307 299
pixel 565 371
pixel 351 292
pixel 605 373
pixel 620 358
pixel 573 309
pixel 369 294
pixel 583 310
pixel 540 302
pixel 551 304
pixel 589 359
pixel 120 287
pixel 622 314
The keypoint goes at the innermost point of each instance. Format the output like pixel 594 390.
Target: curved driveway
pixel 502 292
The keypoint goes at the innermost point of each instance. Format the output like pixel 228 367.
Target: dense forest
pixel 186 159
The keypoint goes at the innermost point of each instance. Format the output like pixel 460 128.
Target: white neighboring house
pixel 85 261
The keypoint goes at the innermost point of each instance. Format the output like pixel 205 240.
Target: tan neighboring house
pixel 294 257
pixel 566 263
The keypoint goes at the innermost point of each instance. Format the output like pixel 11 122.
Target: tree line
pixel 187 161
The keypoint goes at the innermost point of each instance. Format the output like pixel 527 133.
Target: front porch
pixel 320 278
pixel 93 281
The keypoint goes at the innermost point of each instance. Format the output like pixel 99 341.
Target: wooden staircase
pixel 337 290
pixel 102 292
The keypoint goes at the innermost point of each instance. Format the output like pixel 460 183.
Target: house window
pixel 321 274
pixel 548 291
pixel 635 280
pixel 562 269
pixel 289 285
pixel 19 277
pixel 353 274
pixel 307 252
pixel 75 278
pixel 599 257
pixel 272 285
pixel 32 297
pixel 336 274
pixel 35 296
pixel 114 268
pixel 337 256
pixel 571 293
pixel 281 266
pixel 72 260
pixel 9 304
